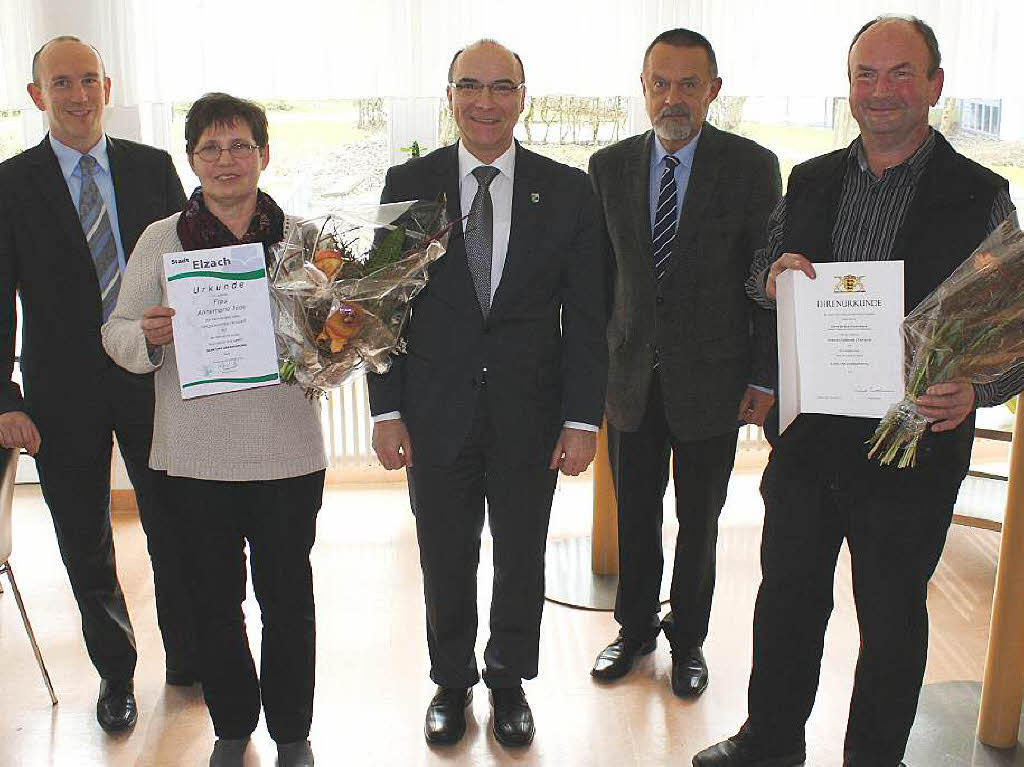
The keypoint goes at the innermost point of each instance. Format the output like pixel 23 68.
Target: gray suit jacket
pixel 711 340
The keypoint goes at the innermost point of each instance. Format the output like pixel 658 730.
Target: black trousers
pixel 278 520
pixel 700 471
pixel 895 539
pixel 448 502
pixel 74 475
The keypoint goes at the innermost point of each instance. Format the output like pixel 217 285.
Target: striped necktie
pixel 480 236
pixel 664 231
pixel 92 211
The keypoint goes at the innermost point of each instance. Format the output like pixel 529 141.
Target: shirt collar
pixel 68 157
pixel 505 163
pixel 684 155
pixel 915 164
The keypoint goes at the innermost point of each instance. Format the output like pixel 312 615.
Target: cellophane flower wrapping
pixel 342 285
pixel 970 328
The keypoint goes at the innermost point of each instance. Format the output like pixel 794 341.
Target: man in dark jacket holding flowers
pixel 899 192
pixel 502 386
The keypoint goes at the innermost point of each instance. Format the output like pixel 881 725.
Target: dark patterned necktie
pixel 92 211
pixel 480 236
pixel 664 231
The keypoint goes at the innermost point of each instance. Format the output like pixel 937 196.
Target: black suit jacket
pixel 45 257
pixel 543 342
pixel 711 339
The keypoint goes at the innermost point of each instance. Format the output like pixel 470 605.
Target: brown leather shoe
pixel 617 659
pixel 445 722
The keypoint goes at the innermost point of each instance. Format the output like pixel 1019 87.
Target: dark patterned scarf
pixel 198 228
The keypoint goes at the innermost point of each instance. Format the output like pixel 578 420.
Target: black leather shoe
pixel 617 658
pixel 445 722
pixel 229 752
pixel 740 751
pixel 512 723
pixel 116 710
pixel 296 754
pixel 689 672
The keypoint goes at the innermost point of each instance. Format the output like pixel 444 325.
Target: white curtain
pixel 318 49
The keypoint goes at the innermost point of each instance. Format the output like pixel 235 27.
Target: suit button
pixel 659 300
pixel 486 330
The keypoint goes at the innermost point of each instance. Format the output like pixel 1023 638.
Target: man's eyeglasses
pixel 238 150
pixel 471 89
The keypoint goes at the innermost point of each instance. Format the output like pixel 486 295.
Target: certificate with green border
pixel 223 327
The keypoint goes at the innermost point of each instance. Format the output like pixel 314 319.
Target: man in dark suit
pixel 71 210
pixel 898 192
pixel 503 384
pixel 684 209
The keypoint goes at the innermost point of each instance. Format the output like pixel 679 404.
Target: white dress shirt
pixel 501 202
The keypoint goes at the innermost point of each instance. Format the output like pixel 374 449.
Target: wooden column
pixel 604 539
pixel 1003 689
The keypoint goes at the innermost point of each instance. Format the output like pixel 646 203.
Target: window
pixel 321 152
pixel 11 137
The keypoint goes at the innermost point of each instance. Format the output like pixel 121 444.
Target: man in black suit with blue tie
pixel 71 210
pixel 502 386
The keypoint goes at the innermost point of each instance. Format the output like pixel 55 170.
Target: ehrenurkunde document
pixel 840 349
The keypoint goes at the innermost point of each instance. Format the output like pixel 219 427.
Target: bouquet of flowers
pixel 970 328
pixel 342 284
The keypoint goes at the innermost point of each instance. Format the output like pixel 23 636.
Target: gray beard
pixel 674 129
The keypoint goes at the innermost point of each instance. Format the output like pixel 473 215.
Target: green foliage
pixel 286 370
pixel 414 149
pixel 387 251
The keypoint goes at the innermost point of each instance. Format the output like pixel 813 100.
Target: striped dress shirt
pixel 871 212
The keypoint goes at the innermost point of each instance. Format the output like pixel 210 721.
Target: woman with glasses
pixel 243 467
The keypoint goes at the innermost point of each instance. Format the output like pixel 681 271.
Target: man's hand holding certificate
pixel 223 332
pixel 840 348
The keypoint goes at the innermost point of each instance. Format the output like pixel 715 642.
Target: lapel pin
pixel 534 197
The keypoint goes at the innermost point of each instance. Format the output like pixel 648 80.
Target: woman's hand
pixel 156 325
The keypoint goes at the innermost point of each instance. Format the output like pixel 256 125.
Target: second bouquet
pixel 342 286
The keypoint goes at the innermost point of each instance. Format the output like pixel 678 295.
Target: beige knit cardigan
pixel 269 432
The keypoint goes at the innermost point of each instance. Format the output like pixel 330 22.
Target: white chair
pixel 9 456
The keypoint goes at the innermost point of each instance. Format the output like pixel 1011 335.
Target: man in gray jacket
pixel 684 207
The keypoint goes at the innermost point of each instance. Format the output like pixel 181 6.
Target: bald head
pixel 57 41
pixel 487 43
pixel 919 27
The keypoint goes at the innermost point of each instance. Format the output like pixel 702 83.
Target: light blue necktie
pixel 92 211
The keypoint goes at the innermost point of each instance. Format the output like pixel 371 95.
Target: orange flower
pixel 342 324
pixel 328 262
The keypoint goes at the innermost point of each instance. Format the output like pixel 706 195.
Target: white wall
pixel 1012 125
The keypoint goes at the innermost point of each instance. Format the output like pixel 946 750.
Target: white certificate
pixel 223 331
pixel 840 349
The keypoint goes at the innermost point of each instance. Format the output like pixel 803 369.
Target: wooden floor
pixel 372 685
